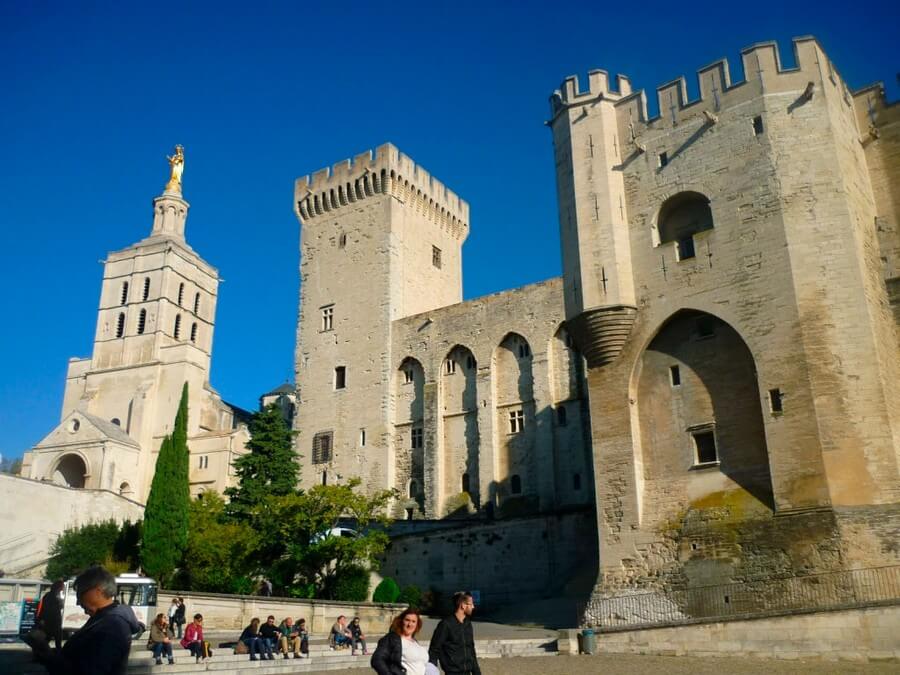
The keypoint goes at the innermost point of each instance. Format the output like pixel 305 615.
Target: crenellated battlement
pixel 570 94
pixel 384 171
pixel 764 73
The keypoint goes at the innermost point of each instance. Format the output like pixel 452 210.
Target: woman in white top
pixel 398 652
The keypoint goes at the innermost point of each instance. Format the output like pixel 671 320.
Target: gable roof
pixel 91 429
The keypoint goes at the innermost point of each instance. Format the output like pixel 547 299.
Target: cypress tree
pixel 166 513
pixel 269 469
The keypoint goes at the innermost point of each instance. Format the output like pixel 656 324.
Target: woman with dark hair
pixel 160 642
pixel 193 639
pixel 256 645
pixel 398 652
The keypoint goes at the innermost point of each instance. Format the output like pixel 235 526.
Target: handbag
pixel 241 648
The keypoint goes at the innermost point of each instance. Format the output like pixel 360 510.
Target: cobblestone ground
pixel 627 664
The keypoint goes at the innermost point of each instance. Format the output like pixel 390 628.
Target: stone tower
pixel 727 271
pixel 380 240
pixel 154 333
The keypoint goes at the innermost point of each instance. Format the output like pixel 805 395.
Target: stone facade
pixel 458 405
pixel 154 333
pixel 748 415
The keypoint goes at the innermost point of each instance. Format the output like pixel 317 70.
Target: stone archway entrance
pixel 70 471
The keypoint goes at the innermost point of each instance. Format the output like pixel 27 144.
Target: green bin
pixel 588 641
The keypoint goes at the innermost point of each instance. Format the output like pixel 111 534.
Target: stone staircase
pixel 16 659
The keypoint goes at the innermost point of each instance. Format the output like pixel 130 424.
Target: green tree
pixel 219 553
pixel 166 513
pixel 386 591
pixel 106 543
pixel 269 469
pixel 303 549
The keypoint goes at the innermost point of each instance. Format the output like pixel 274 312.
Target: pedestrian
pixel 398 652
pixel 180 616
pixel 173 610
pixel 453 643
pixel 193 640
pixel 160 639
pixel 356 636
pixel 257 646
pixel 101 646
pixel 49 614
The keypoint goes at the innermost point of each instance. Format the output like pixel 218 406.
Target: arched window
pixel 515 484
pixel 193 332
pixel 413 489
pixel 465 482
pixel 124 297
pixel 180 294
pixel 177 331
pixel 142 321
pixel 680 218
pixel 120 325
pixel 197 304
pixel 146 293
pixel 116 421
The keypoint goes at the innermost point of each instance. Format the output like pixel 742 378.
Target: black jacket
pixel 100 647
pixel 50 617
pixel 453 644
pixel 387 659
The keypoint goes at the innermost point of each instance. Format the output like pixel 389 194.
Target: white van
pixel 132 589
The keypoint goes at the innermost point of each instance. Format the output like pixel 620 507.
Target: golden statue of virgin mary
pixel 176 164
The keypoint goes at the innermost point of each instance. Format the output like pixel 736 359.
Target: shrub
pixel 104 543
pixel 352 584
pixel 411 595
pixel 386 591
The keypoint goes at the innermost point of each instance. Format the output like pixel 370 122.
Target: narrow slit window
pixel 675 376
pixel 340 377
pixel 776 401
pixel 177 331
pixel 342 240
pixel 146 293
pixel 663 159
pixel 180 294
pixel 124 297
pixel 193 332
pixel 120 325
pixel 142 322
pixel 758 125
pixel 197 303
pixel 362 438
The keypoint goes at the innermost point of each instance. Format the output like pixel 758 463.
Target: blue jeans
pixel 160 648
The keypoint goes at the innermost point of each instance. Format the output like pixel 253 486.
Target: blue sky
pixel 96 94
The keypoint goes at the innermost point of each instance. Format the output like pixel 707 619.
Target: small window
pixel 116 421
pixel 515 485
pixel 576 481
pixel 142 322
pixel 180 294
pixel 436 256
pixel 449 367
pixel 413 489
pixel 328 317
pixel 561 416
pixel 675 376
pixel 204 461
pixel 177 331
pixel 197 303
pixel 470 362
pixel 757 125
pixel 685 248
pixel 325 477
pixel 706 328
pixel 524 350
pixel 124 297
pixel 408 375
pixel 340 377
pixel 120 325
pixel 516 421
pixel 342 240
pixel 776 401
pixel 705 446
pixel 417 438
pixel 362 438
pixel 193 332
pixel 465 482
pixel 146 293
pixel 663 159
pixel 322 449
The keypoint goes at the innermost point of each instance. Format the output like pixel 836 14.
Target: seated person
pixel 304 636
pixel 270 633
pixel 256 645
pixel 160 643
pixel 340 634
pixel 290 638
pixel 356 636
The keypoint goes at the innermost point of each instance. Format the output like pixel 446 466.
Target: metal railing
pixel 766 597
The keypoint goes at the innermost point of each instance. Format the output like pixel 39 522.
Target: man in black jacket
pixel 102 645
pixel 453 644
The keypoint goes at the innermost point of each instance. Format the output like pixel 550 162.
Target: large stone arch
pixel 514 418
pixel 409 414
pixel 71 470
pixel 697 417
pixel 459 410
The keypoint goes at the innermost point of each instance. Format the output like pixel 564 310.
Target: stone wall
pixel 853 635
pixel 34 513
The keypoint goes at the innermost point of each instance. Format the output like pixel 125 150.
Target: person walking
pixel 161 640
pixel 398 652
pixel 453 643
pixel 193 640
pixel 180 616
pixel 173 610
pixel 49 614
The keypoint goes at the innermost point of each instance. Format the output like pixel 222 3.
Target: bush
pixel 386 591
pixel 411 595
pixel 104 543
pixel 352 584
